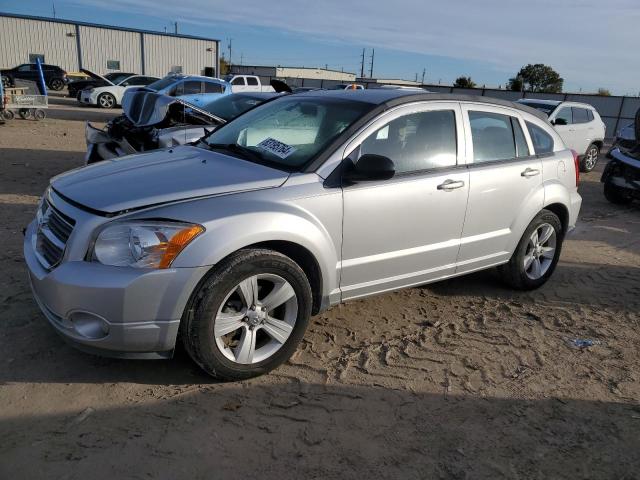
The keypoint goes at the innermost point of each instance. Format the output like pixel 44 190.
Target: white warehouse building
pixel 102 48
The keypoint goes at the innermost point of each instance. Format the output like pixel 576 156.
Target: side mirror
pixel 370 167
pixel 559 121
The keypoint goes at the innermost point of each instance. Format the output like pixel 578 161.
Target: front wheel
pixel 590 159
pixel 106 100
pixel 537 253
pixel 249 316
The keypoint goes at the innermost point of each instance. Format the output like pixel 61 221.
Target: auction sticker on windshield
pixel 279 149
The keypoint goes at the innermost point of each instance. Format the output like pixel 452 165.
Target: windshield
pixel 543 107
pixel 116 77
pixel 162 83
pixel 230 106
pixel 289 132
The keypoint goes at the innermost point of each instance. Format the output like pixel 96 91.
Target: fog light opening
pixel 89 325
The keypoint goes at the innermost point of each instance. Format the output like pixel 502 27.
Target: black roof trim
pixel 108 27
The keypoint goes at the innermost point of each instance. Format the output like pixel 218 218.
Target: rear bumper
pixel 575 203
pixel 112 311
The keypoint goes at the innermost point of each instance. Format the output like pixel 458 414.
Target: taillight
pixel 576 162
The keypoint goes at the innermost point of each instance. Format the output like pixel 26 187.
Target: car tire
pixel 24 113
pixel 56 84
pixel 590 159
pixel 229 347
pixel 8 114
pixel 106 100
pixel 617 195
pixel 533 262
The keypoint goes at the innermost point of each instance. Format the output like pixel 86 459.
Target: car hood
pixel 162 176
pixel 95 76
pixel 145 108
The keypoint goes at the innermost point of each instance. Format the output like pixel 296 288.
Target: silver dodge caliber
pixel 295 206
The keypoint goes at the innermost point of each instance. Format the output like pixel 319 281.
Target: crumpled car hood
pixel 162 176
pixel 146 108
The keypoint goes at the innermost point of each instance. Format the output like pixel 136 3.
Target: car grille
pixel 54 229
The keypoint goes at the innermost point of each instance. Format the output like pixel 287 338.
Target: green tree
pixel 464 82
pixel 515 84
pixel 224 66
pixel 604 92
pixel 537 78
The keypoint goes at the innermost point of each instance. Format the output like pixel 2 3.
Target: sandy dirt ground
pixel 463 379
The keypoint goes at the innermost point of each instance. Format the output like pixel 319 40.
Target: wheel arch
pixel 562 212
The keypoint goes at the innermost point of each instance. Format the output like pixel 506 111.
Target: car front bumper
pixel 88 98
pixel 112 311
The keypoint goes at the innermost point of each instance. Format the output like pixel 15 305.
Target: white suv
pixel 579 125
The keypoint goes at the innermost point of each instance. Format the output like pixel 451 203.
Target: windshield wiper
pixel 244 152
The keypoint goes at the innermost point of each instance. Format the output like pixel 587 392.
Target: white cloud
pixel 591 43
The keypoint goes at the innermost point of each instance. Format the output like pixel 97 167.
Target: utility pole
pixel 241 57
pixel 424 72
pixel 229 47
pixel 53 4
pixel 416 77
pixel 362 65
pixel 176 27
pixel 373 52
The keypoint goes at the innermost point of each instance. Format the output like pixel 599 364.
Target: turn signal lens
pixel 175 245
pixel 576 162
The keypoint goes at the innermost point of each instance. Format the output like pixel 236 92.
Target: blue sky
pixel 591 43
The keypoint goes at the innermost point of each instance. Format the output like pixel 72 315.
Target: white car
pixel 247 83
pixel 579 125
pixel 111 95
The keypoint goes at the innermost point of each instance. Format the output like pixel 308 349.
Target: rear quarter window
pixel 580 115
pixel 542 141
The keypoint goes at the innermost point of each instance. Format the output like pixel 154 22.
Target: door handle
pixel 530 172
pixel 449 185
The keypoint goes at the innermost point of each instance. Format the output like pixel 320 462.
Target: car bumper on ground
pixel 112 311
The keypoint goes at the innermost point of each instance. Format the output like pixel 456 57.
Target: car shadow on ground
pixel 294 429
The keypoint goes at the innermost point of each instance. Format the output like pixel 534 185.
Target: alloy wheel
pixel 256 318
pixel 540 252
pixel 106 101
pixel 591 158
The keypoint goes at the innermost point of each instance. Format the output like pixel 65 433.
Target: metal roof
pixel 109 27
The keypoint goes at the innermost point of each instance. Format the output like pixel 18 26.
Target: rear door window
pixel 493 137
pixel 192 87
pixel 542 141
pixel 580 115
pixel 253 81
pixel 238 81
pixel 210 87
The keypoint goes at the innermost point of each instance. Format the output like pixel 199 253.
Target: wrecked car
pixel 152 121
pixel 94 80
pixel 621 176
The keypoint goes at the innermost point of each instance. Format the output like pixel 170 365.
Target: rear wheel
pixel 590 159
pixel 56 84
pixel 106 100
pixel 249 316
pixel 8 114
pixel 537 253
pixel 24 113
pixel 617 195
pixel 39 114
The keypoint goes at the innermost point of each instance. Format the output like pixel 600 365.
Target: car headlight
pixel 143 244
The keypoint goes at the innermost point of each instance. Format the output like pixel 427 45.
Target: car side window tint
pixel 542 141
pixel 192 87
pixel 210 87
pixel 238 81
pixel 415 142
pixel 580 115
pixel 145 81
pixel 492 135
pixel 590 115
pixel 522 149
pixel 566 115
pixel 252 81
